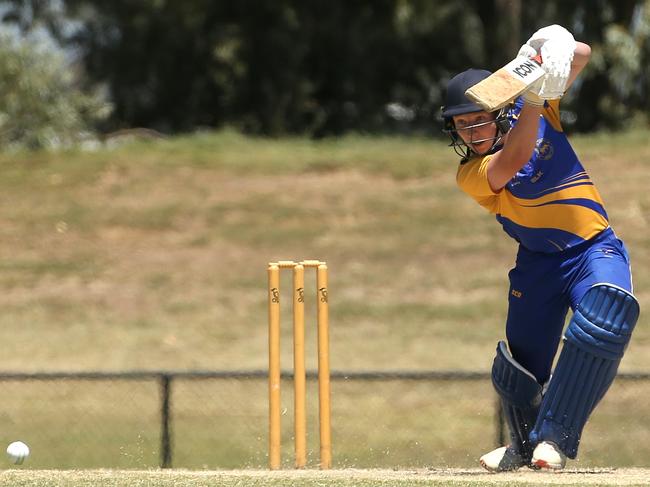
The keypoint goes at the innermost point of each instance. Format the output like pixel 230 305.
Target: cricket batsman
pixel 518 164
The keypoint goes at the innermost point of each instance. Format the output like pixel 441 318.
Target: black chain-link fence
pixel 220 419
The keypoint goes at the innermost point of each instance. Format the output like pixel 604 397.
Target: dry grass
pixel 160 251
pixel 154 256
pixel 333 478
pixel 221 423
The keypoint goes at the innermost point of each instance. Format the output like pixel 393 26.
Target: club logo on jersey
pixel 516 294
pixel 544 149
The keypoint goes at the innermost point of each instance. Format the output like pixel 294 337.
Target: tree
pixel 40 103
pixel 323 67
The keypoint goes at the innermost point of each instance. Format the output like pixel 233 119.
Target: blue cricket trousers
pixel 544 286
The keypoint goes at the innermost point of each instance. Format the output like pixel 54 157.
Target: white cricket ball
pixel 17 452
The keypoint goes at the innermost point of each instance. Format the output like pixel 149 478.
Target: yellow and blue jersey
pixel 551 204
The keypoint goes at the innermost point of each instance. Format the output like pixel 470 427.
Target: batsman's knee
pixel 603 322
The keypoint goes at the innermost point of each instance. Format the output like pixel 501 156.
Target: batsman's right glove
pixel 557 47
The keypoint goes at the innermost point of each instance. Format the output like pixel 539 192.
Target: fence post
pixel 165 419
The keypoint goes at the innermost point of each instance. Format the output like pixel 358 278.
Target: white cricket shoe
pixel 503 459
pixel 547 455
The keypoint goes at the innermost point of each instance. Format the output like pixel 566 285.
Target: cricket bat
pixel 506 84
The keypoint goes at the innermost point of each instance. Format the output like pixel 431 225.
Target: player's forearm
pixel 517 150
pixel 521 141
pixel 581 57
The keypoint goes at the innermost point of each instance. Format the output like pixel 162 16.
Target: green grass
pixel 153 255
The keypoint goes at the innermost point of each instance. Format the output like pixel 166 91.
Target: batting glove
pixel 531 95
pixel 554 32
pixel 557 47
pixel 528 51
pixel 557 58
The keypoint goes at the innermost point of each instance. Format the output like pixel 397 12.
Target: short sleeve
pixel 552 114
pixel 472 179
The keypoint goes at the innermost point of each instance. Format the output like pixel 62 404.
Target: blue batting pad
pixel 520 395
pixel 595 342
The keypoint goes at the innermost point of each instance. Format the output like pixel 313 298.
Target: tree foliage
pixel 40 104
pixel 328 66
